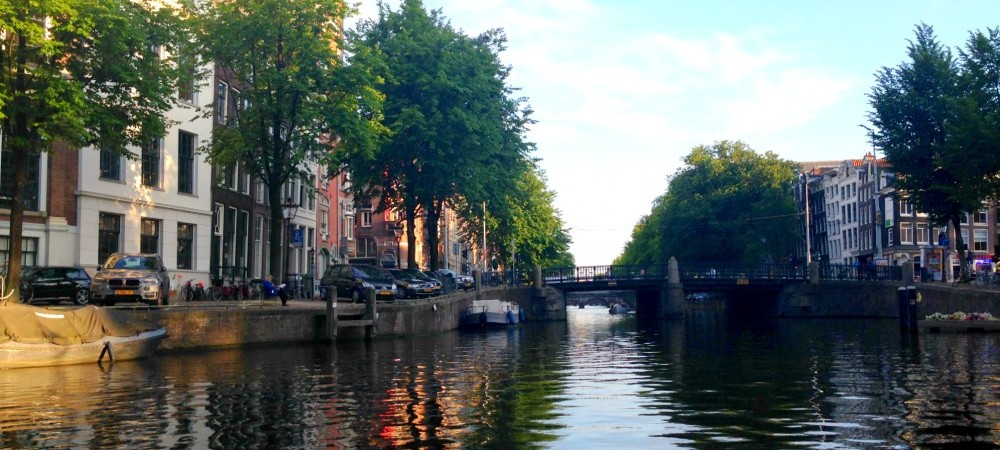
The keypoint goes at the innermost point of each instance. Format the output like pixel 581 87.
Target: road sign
pixel 297 237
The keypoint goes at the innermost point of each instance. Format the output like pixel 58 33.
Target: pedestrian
pixel 271 291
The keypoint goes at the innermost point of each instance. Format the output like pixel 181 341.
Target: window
pixel 979 217
pixel 312 192
pixel 261 193
pixel 366 218
pixel 258 253
pixel 905 208
pixel 111 165
pixel 923 237
pixel 185 245
pixel 31 191
pixel 221 101
pixel 185 163
pixel 905 233
pixel 108 236
pixel 217 219
pixel 151 163
pixel 324 218
pixel 186 85
pixel 235 105
pixel 366 247
pixel 29 251
pixel 149 236
pixel 979 240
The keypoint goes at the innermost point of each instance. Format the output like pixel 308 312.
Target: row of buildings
pixel 207 222
pixel 852 215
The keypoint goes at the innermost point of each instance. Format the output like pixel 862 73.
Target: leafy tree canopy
pixel 83 72
pixel 457 130
pixel 728 203
pixel 937 119
pixel 307 94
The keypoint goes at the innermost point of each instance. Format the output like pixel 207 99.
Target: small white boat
pixel 31 336
pixel 618 308
pixel 491 313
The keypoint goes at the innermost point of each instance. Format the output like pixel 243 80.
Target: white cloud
pixel 619 107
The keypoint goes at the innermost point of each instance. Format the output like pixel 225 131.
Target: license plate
pixel 122 292
pixel 428 289
pixel 384 293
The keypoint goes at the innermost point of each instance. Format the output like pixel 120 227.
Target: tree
pixel 526 228
pixel 727 203
pixel 929 124
pixel 457 130
pixel 309 97
pixel 81 72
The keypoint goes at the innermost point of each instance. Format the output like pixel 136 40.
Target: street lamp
pixel 288 211
pixel 397 232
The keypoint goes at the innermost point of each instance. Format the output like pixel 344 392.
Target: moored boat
pixel 491 313
pixel 618 308
pixel 31 336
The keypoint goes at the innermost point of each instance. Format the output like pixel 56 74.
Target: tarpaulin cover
pixel 34 325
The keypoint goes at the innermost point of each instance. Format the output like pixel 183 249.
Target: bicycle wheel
pixel 216 293
pixel 184 294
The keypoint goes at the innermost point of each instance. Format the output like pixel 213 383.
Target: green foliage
pixel 84 72
pixel 457 131
pixel 937 120
pixel 531 232
pixel 307 94
pixel 728 203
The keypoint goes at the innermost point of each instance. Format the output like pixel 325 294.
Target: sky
pixel 622 90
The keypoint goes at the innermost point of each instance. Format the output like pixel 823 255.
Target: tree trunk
pixel 20 162
pixel 957 226
pixel 411 235
pixel 431 224
pixel 277 229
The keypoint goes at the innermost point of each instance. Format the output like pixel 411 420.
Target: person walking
pixel 271 291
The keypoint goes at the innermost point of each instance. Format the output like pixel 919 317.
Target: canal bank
pixel 225 324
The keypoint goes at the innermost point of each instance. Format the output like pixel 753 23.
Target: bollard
pixel 331 313
pixel 906 297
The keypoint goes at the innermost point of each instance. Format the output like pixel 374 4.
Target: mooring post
pixel 331 313
pixel 106 349
pixel 370 315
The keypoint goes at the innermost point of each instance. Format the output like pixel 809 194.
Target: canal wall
pixel 838 299
pixel 942 298
pixel 852 299
pixel 204 327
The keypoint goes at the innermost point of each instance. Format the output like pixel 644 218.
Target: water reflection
pixel 595 381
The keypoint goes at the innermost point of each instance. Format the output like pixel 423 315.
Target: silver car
pixel 131 277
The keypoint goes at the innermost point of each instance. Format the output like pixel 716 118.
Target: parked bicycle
pixel 190 291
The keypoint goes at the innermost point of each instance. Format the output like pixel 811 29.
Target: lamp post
pixel 288 211
pixel 397 232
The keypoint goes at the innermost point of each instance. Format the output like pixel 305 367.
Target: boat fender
pixel 510 317
pixel 434 307
pixel 106 349
pixel 520 315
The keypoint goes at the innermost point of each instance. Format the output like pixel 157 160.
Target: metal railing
pixel 722 271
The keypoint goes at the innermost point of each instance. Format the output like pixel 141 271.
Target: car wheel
pixel 82 297
pixel 164 298
pixel 356 296
pixel 27 294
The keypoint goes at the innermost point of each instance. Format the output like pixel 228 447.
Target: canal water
pixel 594 381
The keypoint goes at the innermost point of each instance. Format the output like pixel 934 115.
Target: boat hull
pixel 16 354
pixel 491 314
pixel 617 309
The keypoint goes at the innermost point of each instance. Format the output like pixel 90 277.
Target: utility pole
pixel 808 233
pixel 484 237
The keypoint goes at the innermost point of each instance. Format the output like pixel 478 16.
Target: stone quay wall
pixel 853 299
pixel 212 326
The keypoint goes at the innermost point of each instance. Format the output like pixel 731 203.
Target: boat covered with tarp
pixel 31 336
pixel 492 313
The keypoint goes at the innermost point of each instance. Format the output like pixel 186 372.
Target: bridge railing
pixel 721 270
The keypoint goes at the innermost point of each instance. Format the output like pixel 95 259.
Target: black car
pixel 421 275
pixel 54 284
pixel 354 281
pixel 407 286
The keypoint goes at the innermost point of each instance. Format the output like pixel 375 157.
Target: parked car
pixel 435 283
pixel 463 282
pixel 138 277
pixel 54 284
pixel 354 281
pixel 409 287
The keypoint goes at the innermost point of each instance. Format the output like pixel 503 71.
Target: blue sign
pixel 297 237
pixel 943 240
